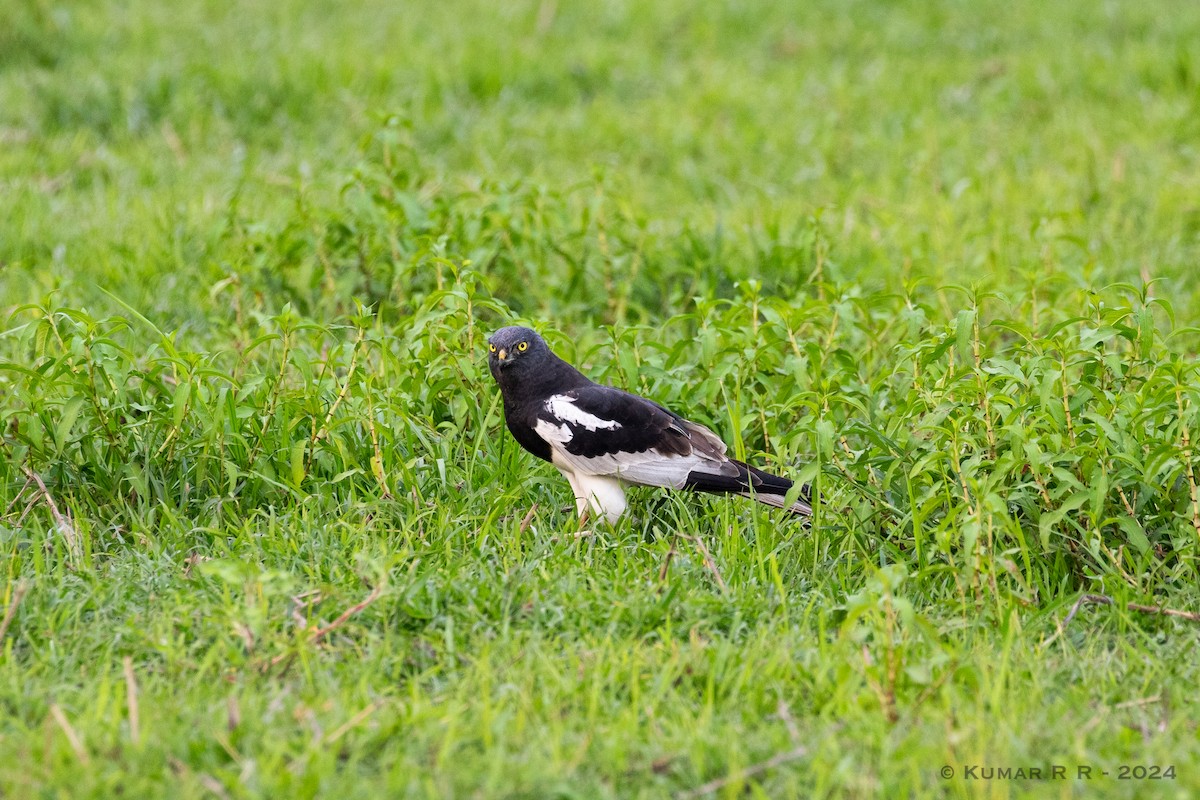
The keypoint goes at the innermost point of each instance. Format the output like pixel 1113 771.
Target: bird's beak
pixel 502 354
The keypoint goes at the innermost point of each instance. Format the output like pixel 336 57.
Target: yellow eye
pixel 491 348
pixel 523 346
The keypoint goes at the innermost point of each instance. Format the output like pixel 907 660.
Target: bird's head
pixel 515 349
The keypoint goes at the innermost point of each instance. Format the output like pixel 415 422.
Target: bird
pixel 602 438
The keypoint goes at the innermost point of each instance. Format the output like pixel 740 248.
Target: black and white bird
pixel 603 438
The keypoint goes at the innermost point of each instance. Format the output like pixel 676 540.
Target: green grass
pixel 935 258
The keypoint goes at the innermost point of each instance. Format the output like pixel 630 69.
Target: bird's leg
pixel 581 501
pixel 582 506
pixel 606 496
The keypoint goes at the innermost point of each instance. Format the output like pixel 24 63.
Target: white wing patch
pixel 563 407
pixel 648 468
pixel 556 435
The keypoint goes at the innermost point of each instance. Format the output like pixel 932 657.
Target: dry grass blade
pixel 741 775
pixel 785 714
pixel 16 497
pixel 1105 600
pixel 212 784
pixel 528 518
pixel 1167 612
pixel 351 723
pixel 666 565
pixel 18 594
pixel 72 737
pixel 64 525
pixel 709 564
pixel 131 701
pixel 320 633
pixel 1141 701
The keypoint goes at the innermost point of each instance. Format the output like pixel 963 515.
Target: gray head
pixel 515 349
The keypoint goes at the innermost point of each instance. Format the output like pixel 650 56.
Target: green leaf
pixel 1048 521
pixel 1134 533
pixel 70 414
pixel 179 403
pixel 965 335
pixel 1145 320
pixel 297 462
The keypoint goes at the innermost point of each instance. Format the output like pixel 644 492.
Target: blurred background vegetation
pixel 1013 145
pixel 936 258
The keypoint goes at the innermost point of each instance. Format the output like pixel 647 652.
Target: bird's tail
pixel 755 484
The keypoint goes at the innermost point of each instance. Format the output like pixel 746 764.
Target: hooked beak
pixel 500 359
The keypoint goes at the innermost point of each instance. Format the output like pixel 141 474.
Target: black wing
pixel 598 430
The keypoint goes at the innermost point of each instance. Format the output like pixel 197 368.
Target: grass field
pixel 263 534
